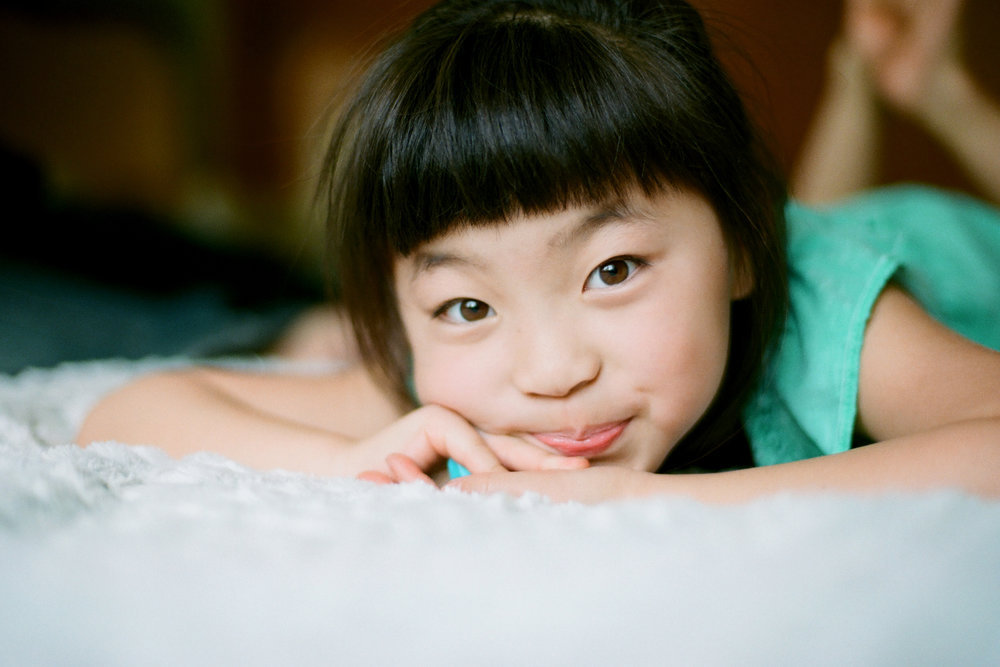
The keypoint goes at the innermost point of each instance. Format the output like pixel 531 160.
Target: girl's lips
pixel 590 442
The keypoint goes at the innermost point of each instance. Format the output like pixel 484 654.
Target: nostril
pixel 558 380
pixel 551 358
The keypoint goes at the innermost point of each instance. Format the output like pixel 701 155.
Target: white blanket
pixel 119 555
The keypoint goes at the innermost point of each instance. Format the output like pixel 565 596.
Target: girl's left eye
pixel 465 311
pixel 612 272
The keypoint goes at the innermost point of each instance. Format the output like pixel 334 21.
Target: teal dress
pixel 944 249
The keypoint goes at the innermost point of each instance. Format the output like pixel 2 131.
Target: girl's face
pixel 597 331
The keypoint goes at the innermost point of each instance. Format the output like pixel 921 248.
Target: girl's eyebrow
pixel 608 214
pixel 424 261
pixel 589 224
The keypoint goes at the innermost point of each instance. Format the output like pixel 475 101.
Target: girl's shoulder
pixel 342 398
pixel 943 248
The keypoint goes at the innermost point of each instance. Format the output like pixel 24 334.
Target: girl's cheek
pixel 441 379
pixel 462 385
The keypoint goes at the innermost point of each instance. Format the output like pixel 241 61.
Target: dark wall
pixel 787 41
pixel 218 101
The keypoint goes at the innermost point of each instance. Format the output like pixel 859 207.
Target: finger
pixel 519 454
pixel 442 434
pixel 375 477
pixel 483 483
pixel 476 456
pixel 404 469
pixel 514 484
pixel 564 463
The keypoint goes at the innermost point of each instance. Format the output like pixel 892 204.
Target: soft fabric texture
pixel 120 555
pixel 942 248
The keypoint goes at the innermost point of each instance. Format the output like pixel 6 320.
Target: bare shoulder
pixel 176 408
pixel 917 374
pixel 348 401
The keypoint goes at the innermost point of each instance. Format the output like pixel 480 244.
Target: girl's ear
pixel 742 275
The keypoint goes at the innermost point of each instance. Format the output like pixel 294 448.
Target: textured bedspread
pixel 119 555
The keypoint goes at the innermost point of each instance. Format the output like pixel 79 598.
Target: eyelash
pixel 442 311
pixel 634 264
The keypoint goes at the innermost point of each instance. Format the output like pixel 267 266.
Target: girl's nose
pixel 554 362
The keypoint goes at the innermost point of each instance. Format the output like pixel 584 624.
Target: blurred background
pixel 205 112
pixel 205 118
pixel 209 112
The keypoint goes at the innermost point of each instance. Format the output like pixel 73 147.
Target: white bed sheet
pixel 119 555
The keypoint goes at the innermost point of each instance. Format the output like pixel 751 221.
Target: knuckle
pixel 440 417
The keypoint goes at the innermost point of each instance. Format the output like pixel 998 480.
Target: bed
pixel 120 555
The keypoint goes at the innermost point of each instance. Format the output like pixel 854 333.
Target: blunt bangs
pixel 527 111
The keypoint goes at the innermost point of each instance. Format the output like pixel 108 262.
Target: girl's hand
pixel 418 442
pixel 908 46
pixel 592 485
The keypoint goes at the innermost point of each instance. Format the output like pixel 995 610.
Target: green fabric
pixel 942 248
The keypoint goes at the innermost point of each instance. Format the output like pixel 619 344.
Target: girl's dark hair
pixel 485 109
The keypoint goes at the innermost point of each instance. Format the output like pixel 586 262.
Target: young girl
pixel 558 235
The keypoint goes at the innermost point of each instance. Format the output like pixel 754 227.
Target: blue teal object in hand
pixel 456 469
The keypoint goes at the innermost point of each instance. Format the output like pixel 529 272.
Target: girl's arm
pixel 930 396
pixel 340 424
pixel 304 422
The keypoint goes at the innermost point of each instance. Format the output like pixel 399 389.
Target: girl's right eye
pixel 465 311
